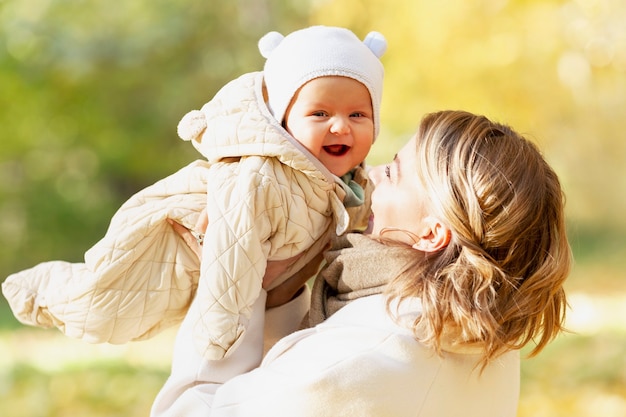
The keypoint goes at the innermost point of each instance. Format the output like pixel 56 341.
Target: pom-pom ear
pixel 376 42
pixel 269 42
pixel 192 125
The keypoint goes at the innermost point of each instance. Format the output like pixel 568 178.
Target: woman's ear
pixel 434 237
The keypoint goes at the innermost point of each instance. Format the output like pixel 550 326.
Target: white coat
pixel 359 362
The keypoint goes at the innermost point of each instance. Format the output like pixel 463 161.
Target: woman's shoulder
pixel 364 350
pixel 372 313
pixel 363 327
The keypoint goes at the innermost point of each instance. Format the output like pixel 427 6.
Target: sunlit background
pixel 91 93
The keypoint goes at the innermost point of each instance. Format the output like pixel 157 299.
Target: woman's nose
pixel 375 173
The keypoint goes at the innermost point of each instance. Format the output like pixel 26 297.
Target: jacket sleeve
pixel 138 279
pixel 191 388
pixel 234 256
pixel 323 371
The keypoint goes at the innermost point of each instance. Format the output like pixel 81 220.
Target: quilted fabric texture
pixel 266 198
pixel 138 279
pixel 135 281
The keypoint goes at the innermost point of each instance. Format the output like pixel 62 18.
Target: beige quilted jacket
pixel 267 198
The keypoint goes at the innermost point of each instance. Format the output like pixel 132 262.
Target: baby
pixel 284 149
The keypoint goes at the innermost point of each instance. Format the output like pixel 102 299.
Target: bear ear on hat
pixel 376 42
pixel 269 42
pixel 192 126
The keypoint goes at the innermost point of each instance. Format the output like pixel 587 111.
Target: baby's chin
pixel 341 167
pixel 338 171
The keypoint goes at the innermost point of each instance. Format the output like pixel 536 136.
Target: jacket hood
pixel 237 123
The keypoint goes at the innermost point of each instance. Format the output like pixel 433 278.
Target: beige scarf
pixel 356 266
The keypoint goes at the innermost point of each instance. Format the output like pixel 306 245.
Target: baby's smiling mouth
pixel 336 150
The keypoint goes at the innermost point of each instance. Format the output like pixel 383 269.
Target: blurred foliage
pixel 553 69
pixel 97 390
pixel 577 375
pixel 91 96
pixel 92 91
pixel 562 381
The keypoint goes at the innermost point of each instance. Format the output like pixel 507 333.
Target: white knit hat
pixel 319 51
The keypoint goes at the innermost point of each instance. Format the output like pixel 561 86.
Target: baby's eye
pixel 357 114
pixel 319 113
pixel 388 171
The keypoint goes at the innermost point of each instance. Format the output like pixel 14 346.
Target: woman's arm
pixel 194 380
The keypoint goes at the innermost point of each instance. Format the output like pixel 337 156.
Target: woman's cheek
pixel 379 202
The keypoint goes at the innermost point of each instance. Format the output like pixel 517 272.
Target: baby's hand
pixel 188 236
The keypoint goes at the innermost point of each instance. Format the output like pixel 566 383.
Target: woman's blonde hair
pixel 500 280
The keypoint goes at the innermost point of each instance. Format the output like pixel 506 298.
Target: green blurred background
pixel 91 93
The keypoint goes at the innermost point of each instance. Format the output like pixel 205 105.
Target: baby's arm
pixel 234 259
pixel 194 381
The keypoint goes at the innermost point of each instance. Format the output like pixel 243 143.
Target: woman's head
pixel 488 211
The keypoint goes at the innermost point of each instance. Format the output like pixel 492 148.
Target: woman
pixel 463 265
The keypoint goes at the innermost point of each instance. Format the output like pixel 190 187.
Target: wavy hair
pixel 499 282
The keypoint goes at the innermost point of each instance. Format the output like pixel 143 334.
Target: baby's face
pixel 333 118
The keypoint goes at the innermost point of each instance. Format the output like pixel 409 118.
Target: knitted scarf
pixel 356 266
